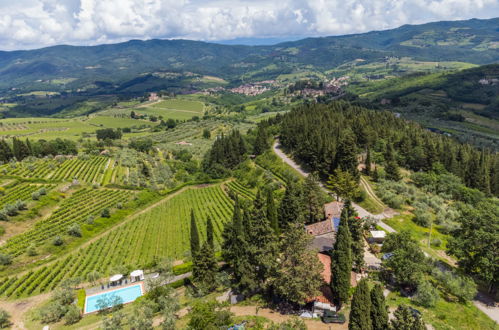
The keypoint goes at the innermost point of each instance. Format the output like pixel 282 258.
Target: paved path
pixel 481 302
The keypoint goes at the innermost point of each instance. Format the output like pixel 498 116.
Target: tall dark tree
pixel 19 149
pixel 291 208
pixel 357 233
pixel 209 233
pixel 261 141
pixel 314 202
pixel 379 312
pixel 262 246
pixel 406 319
pixel 392 170
pixel 346 157
pixel 360 312
pixel 368 162
pixel 271 211
pixel 5 151
pixel 204 268
pixel 195 243
pixel 341 262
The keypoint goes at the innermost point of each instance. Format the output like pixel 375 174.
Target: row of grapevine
pixel 86 170
pixel 75 209
pixel 162 231
pixel 238 189
pixel 20 191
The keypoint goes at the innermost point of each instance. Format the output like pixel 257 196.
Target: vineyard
pixel 76 209
pixel 162 231
pixel 236 188
pixel 20 191
pixel 91 170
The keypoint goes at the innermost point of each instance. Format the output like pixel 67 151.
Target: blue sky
pixel 26 24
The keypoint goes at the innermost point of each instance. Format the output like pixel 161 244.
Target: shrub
pixel 5 259
pixel 105 213
pixel 74 230
pixel 35 196
pixel 57 241
pixel 90 220
pixel 3 215
pixel 72 315
pixel 31 251
pixel 460 286
pixel 426 295
pixel 436 242
pixel 422 218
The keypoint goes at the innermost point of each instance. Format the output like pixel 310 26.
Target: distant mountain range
pixel 61 68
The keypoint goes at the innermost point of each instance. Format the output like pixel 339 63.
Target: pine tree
pixel 379 313
pixel 360 313
pixel 209 233
pixel 195 244
pixel 406 319
pixel 262 141
pixel 291 208
pixel 341 262
pixel 298 273
pixel 346 157
pixel 272 211
pixel 392 170
pixel 313 199
pixel 367 169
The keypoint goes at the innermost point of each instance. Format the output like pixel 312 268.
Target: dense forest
pixel 330 136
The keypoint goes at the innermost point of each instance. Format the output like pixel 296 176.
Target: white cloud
pixel 36 23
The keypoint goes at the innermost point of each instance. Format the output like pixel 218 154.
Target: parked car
pixel 333 317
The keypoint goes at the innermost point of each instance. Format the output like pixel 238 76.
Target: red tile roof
pixel 320 228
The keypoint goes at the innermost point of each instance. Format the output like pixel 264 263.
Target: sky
pixel 28 24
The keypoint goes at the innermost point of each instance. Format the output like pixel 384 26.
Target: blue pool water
pixel 127 295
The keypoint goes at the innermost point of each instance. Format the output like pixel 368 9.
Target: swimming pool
pixel 127 294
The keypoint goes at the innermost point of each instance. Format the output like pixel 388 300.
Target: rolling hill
pixel 69 68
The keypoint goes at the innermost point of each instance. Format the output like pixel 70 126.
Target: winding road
pixel 360 210
pixel 482 302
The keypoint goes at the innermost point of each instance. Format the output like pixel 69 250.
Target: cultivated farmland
pixel 162 231
pixel 74 210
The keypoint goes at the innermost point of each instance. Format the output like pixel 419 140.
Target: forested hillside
pixel 330 136
pixel 61 67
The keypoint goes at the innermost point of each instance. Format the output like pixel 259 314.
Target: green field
pixel 175 108
pixel 161 231
pixel 73 129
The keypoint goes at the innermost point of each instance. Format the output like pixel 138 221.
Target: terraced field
pixel 75 209
pixel 162 231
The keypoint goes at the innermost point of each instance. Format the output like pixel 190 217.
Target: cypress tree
pixel 375 174
pixel 195 245
pixel 341 261
pixel 272 211
pixel 360 313
pixel 5 151
pixel 209 233
pixel 379 313
pixel 204 268
pixel 313 199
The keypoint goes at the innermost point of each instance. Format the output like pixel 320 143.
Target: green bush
pixel 57 241
pixel 426 295
pixel 4 319
pixel 72 315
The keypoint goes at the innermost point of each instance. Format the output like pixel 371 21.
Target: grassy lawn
pixel 447 315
